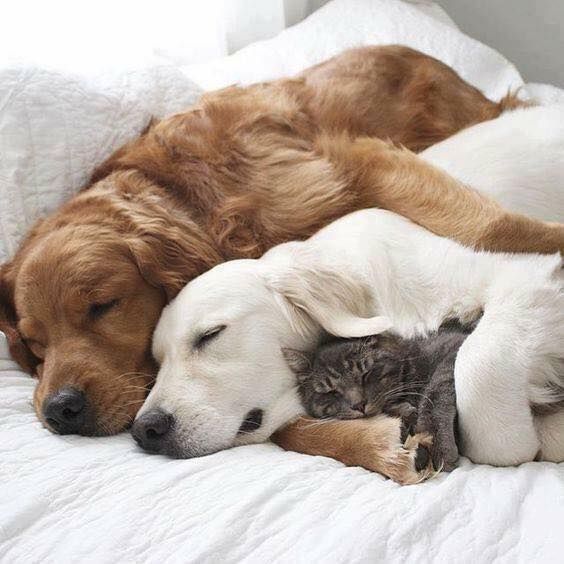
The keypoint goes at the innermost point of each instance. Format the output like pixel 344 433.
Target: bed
pixel 70 498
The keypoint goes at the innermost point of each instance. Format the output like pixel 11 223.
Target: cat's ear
pixel 373 341
pixel 334 299
pixel 300 362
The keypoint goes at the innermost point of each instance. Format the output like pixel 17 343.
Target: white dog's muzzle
pixel 160 432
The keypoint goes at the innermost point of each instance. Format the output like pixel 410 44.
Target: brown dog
pixel 246 169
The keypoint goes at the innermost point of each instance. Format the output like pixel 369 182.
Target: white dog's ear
pixel 335 300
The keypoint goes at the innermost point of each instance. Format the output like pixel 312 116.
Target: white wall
pixel 530 33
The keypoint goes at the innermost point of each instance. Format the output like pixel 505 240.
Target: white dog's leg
pixel 491 376
pixel 512 354
pixel 551 433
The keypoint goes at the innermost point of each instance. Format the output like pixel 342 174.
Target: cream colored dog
pixel 219 341
pixel 223 380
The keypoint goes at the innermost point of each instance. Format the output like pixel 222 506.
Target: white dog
pixel 219 342
pixel 517 159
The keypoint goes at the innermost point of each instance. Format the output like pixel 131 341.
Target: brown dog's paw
pixel 410 462
pixel 383 449
pixel 417 465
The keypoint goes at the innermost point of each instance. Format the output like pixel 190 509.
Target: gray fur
pixel 409 378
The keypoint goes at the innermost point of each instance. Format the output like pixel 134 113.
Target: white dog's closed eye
pixel 208 335
pixel 224 381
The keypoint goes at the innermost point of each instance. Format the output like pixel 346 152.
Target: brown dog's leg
pixel 394 92
pixel 398 180
pixel 374 444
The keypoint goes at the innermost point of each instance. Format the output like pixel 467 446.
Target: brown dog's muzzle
pixel 89 398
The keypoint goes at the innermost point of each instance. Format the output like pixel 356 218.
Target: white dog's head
pixel 223 380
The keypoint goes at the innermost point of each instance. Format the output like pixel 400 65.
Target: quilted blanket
pixel 55 128
pixel 71 499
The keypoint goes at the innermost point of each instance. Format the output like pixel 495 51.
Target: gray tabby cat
pixel 409 378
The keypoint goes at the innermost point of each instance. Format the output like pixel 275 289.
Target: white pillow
pixel 55 128
pixel 341 24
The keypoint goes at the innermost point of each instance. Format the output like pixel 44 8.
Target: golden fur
pixel 371 443
pixel 245 169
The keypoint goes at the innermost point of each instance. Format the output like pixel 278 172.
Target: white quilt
pixel 69 499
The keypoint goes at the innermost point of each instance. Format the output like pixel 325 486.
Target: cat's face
pixel 348 379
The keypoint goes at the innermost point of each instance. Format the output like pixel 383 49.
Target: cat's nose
pixel 360 406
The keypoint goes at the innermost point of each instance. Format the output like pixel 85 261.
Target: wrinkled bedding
pixel 68 499
pixel 56 128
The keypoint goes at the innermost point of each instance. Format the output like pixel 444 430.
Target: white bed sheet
pixel 103 500
pixel 70 499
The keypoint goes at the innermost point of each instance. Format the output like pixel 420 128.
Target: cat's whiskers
pixel 321 421
pixel 405 387
pixel 397 395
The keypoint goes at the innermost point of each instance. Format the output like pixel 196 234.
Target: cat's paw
pixel 443 450
pixel 408 423
pixel 444 459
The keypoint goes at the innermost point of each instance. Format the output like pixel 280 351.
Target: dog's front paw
pixel 381 448
pixel 419 465
pixel 410 462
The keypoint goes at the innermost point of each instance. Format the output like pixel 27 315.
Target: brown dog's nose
pixel 65 411
pixel 151 430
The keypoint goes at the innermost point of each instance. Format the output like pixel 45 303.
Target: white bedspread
pixel 68 499
pixel 65 499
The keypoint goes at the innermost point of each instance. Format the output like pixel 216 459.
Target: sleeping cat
pixel 409 378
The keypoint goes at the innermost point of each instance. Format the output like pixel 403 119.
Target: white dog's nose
pixel 151 430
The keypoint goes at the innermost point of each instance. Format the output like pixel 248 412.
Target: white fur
pixel 395 270
pixel 374 269
pixel 518 159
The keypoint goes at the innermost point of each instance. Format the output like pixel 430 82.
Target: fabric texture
pixel 79 36
pixel 342 24
pixel 55 128
pixel 70 499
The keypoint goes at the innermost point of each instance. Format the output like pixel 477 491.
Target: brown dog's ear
pixel 168 251
pixel 9 324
